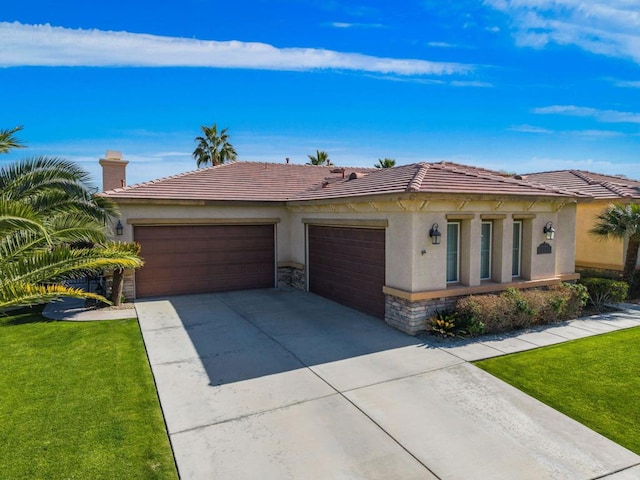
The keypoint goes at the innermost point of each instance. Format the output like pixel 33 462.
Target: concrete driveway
pixel 282 384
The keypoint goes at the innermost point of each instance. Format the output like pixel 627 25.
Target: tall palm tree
pixel 8 139
pixel 385 163
pixel 622 222
pixel 213 148
pixel 320 158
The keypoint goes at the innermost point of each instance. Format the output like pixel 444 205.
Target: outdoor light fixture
pixel 435 234
pixel 549 231
pixel 119 228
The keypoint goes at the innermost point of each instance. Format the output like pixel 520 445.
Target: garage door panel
pixel 205 258
pixel 347 265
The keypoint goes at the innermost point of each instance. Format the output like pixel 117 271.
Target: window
pixel 516 249
pixel 453 252
pixel 485 250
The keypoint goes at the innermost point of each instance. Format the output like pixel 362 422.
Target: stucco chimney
pixel 114 170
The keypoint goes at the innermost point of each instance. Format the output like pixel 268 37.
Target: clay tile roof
pixel 431 178
pixel 253 181
pixel 239 181
pixel 589 184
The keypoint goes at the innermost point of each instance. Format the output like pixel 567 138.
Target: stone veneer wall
pixel 291 276
pixel 410 316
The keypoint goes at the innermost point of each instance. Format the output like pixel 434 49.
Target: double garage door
pixel 347 265
pixel 204 258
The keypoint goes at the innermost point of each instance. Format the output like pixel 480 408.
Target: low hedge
pixel 605 290
pixel 514 309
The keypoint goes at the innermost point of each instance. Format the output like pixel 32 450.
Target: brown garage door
pixel 204 258
pixel 347 265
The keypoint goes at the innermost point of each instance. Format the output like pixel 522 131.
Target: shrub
pixel 605 290
pixel 443 323
pixel 515 309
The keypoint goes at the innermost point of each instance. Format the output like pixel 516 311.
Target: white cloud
pixel 44 45
pixel 529 129
pixel 355 25
pixel 470 83
pixel 610 27
pixel 598 133
pixel 441 45
pixel 627 83
pixel 605 116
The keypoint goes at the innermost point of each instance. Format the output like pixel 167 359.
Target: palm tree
pixel 320 158
pixel 213 149
pixel 622 222
pixel 8 139
pixel 386 163
pixel 51 230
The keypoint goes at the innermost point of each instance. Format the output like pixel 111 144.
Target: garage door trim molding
pixel 346 222
pixel 201 221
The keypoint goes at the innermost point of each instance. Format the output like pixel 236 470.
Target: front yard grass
pixel 593 380
pixel 78 401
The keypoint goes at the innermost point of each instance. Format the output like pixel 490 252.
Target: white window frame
pixel 458 228
pixel 489 252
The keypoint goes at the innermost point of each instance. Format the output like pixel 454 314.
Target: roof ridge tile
pixel 416 182
pixel 585 177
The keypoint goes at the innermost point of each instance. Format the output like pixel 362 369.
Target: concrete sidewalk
pixel 488 346
pixel 279 383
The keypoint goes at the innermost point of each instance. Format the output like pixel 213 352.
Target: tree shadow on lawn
pixel 22 316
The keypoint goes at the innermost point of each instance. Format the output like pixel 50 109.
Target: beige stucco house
pixel 594 193
pixel 395 243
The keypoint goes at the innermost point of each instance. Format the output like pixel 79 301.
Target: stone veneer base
pixel 292 277
pixel 410 316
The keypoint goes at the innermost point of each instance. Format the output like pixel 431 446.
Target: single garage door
pixel 204 258
pixel 347 265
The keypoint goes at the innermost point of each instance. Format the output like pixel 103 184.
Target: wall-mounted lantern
pixel 119 228
pixel 549 231
pixel 435 234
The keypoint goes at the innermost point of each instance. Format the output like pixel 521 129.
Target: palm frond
pixel 8 140
pixel 64 263
pixel 26 294
pixel 25 177
pixel 15 216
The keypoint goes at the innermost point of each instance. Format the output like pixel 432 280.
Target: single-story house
pixel 396 243
pixel 595 192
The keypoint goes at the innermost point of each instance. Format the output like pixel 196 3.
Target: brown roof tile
pixel 252 181
pixel 240 181
pixel 589 184
pixel 431 178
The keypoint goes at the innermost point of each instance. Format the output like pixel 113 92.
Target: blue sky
pixel 515 85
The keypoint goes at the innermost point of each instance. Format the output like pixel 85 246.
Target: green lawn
pixel 78 401
pixel 594 380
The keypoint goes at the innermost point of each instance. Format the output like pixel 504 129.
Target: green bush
pixel 514 309
pixel 604 290
pixel 443 323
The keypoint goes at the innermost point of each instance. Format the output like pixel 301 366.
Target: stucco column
pixel 501 250
pixel 470 251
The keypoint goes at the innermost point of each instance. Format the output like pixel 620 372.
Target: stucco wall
pixel 414 264
pixel 138 213
pixel 592 251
